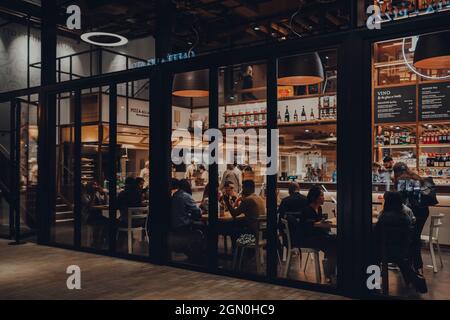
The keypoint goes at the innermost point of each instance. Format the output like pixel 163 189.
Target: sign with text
pixel 434 101
pixel 138 113
pixel 396 104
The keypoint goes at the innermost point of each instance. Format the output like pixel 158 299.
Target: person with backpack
pixel 418 194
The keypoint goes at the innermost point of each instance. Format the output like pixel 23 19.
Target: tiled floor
pixel 37 272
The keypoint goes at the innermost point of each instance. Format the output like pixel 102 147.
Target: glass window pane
pixel 242 222
pixel 307 176
pixel 411 153
pixel 188 229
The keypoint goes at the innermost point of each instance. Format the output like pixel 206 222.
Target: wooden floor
pixel 37 272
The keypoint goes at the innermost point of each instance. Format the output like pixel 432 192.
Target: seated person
pixel 252 206
pixel 394 230
pixel 295 202
pixel 140 183
pixel 185 185
pixel 185 236
pixel 229 194
pixel 313 233
pixel 130 197
pixel 93 195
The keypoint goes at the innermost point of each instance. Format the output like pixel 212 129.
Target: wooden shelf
pixel 391 63
pixel 243 114
pixel 440 145
pixel 399 146
pixel 290 124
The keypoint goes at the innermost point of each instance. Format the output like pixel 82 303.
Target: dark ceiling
pixel 207 24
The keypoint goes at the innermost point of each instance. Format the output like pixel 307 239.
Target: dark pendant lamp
pixel 193 84
pixel 300 70
pixel 433 51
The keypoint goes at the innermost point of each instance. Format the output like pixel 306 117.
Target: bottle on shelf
pixel 320 109
pixel 286 115
pixel 295 116
pixel 311 116
pixel 279 116
pixel 303 114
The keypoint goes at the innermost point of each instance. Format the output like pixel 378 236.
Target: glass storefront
pixel 411 159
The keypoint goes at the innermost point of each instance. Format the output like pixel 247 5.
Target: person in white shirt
pixel 145 174
pixel 203 174
pixel 190 171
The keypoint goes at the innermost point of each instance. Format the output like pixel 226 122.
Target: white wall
pixel 13 56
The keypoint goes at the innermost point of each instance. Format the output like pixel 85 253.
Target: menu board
pixel 434 101
pixel 396 104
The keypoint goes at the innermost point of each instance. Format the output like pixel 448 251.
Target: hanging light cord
pixel 197 38
pixel 292 20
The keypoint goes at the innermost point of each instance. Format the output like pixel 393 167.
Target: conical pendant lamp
pixel 433 51
pixel 300 70
pixel 193 84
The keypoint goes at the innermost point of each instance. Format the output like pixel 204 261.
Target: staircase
pixel 63 212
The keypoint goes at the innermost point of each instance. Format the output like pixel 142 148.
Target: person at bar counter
pixel 295 202
pixel 93 195
pixel 394 231
pixel 231 176
pixel 185 237
pixel 251 205
pixel 410 186
pixel 386 171
pixel 313 232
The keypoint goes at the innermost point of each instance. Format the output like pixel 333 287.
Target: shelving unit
pixel 87 170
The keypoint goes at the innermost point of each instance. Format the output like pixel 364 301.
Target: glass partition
pixel 62 228
pixel 307 173
pixel 242 220
pixel 187 237
pixel 5 141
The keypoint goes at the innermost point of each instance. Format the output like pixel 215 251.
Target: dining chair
pixel 300 250
pixel 133 214
pixel 433 239
pixel 254 242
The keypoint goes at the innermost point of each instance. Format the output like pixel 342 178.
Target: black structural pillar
pixel 165 13
pixel 47 123
pixel 213 169
pixel 160 163
pixel 272 152
pixel 353 186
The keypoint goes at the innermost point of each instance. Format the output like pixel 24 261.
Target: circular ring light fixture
pixel 121 40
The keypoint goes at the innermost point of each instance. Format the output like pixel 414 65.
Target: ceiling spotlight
pixel 283 38
pixel 307 130
pixel 256 28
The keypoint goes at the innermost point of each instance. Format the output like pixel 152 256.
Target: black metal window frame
pixel 353 131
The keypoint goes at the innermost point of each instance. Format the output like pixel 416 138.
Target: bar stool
pixel 433 238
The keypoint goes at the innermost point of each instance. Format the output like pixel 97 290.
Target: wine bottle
pixel 311 116
pixel 295 116
pixel 320 109
pixel 279 116
pixel 303 115
pixel 286 115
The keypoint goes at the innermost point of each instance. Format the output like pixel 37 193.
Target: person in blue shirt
pixel 185 232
